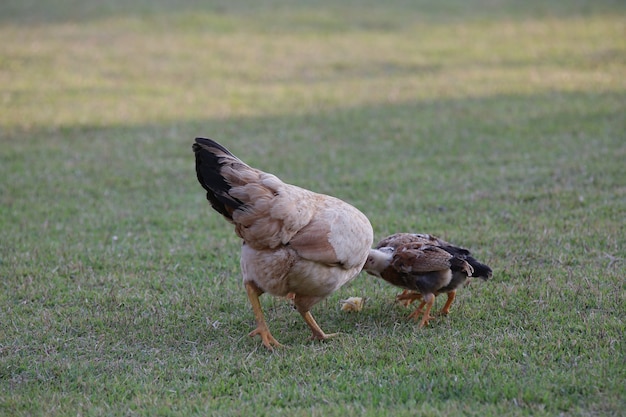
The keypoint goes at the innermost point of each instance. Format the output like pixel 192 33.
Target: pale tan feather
pixel 295 241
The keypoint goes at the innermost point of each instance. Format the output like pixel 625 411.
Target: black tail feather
pixel 208 170
pixel 210 143
pixel 456 251
pixel 459 264
pixel 480 270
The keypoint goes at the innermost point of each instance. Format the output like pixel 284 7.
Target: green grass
pixel 498 125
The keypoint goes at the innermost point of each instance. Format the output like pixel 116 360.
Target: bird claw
pixel 404 301
pixel 323 336
pixel 425 319
pixel 415 314
pixel 266 337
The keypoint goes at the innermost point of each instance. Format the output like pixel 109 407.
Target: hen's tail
pixel 217 169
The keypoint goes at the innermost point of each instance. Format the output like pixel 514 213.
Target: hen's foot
pixel 318 333
pixel 323 336
pixel 266 337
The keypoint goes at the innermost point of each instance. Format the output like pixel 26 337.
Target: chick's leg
pixel 429 299
pixel 261 326
pixel 446 308
pixel 406 297
pixel 418 311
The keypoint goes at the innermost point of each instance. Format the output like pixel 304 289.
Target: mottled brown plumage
pixel 425 266
pixel 295 241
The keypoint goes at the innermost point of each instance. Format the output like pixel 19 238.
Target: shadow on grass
pixel 486 129
pixel 279 15
pixel 413 159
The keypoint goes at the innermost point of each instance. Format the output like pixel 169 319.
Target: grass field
pixel 498 125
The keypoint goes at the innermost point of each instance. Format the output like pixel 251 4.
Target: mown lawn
pixel 498 125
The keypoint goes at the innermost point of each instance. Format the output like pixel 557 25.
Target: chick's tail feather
pixel 216 169
pixel 459 264
pixel 480 270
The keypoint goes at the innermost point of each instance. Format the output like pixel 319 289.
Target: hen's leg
pixel 261 327
pixel 446 308
pixel 318 333
pixel 303 305
pixel 406 297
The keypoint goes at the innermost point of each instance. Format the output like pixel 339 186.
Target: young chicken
pixel 425 266
pixel 295 242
